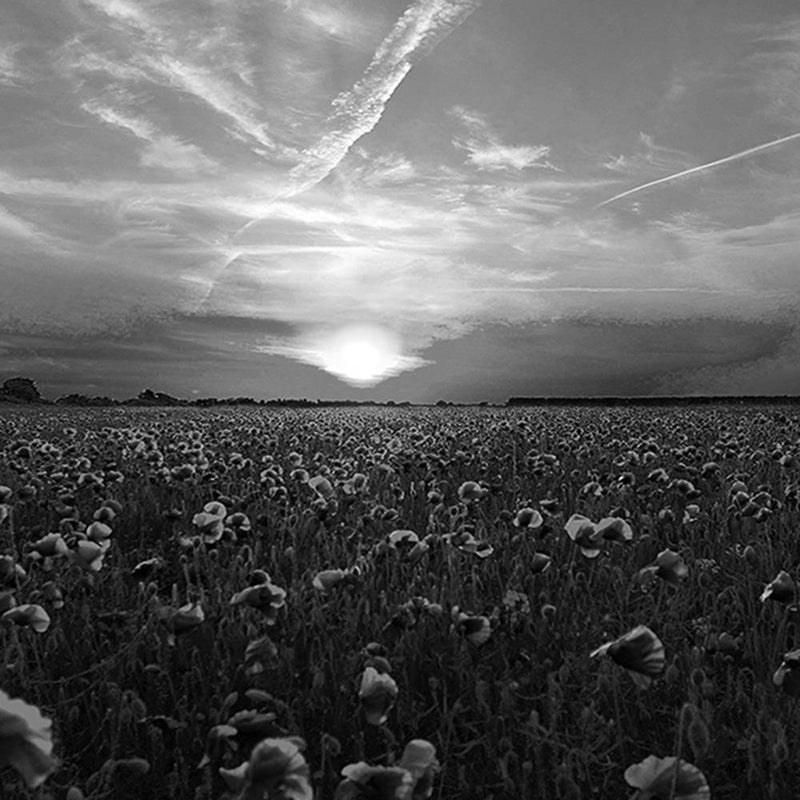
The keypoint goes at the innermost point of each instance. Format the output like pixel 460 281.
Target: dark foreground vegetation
pixel 180 585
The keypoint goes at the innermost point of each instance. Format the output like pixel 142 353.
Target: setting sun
pixel 362 355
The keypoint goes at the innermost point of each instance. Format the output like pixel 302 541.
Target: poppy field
pixel 477 603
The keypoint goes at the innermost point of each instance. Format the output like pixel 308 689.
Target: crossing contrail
pixel 701 168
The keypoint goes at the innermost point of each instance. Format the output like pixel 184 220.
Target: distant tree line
pixel 24 391
pixel 654 400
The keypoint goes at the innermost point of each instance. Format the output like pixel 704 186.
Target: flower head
pixel 276 769
pixel 639 651
pixel 584 533
pixel 669 566
pixel 30 615
pixel 781 588
pixel 528 518
pixel 25 740
pixel 377 694
pixel 655 777
pixel 787 676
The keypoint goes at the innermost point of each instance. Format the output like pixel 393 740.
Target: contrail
pixel 692 170
pixel 357 111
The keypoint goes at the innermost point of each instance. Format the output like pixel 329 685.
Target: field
pixel 362 578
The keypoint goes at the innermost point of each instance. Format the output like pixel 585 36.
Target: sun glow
pixel 362 355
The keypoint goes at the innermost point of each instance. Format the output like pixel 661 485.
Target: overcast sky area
pixel 405 199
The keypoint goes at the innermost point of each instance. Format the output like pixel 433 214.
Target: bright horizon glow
pixel 361 355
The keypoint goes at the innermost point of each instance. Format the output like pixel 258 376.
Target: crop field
pixel 475 603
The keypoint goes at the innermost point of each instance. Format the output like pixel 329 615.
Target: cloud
pixel 356 112
pixel 702 167
pixel 648 158
pixel 776 68
pixel 159 49
pixel 11 74
pixel 161 151
pixel 487 152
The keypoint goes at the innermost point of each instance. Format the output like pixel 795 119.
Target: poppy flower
pixel 211 521
pixel 787 676
pixel 655 777
pixel 30 615
pixel 276 769
pixel 539 563
pixel 250 721
pixel 98 532
pixel 378 783
pixel 50 546
pixel 181 620
pixel 11 573
pixel 419 758
pixel 88 555
pixel 260 653
pixel 265 597
pixel 470 492
pixel 239 522
pixel 25 740
pixel 614 529
pixel 584 533
pixel 328 579
pixel 322 486
pixel 475 629
pixel 639 651
pixel 669 566
pixel 528 518
pixel 377 693
pixel 7 601
pixel 781 588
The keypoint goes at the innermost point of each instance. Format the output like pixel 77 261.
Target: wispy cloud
pixel 162 53
pixel 486 151
pixel 162 150
pixel 357 111
pixel 11 74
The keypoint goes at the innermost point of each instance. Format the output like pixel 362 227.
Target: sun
pixel 361 355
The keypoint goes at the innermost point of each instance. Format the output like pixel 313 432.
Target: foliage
pixel 431 527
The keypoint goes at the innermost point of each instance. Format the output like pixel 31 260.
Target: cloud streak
pixel 701 168
pixel 487 152
pixel 357 111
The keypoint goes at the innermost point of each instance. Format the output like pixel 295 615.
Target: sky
pixel 400 199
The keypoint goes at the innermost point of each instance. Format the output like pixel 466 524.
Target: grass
pixel 527 713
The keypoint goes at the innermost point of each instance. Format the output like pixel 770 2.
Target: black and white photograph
pixel 399 399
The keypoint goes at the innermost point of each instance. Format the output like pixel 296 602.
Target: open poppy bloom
pixel 475 629
pixel 787 676
pixel 265 597
pixel 470 492
pixel 260 654
pixel 655 777
pixel 528 518
pixel 584 533
pixel 181 620
pixel 377 694
pixel 379 783
pixel 669 566
pixel 781 588
pixel 276 769
pixel 89 555
pixel 25 740
pixel 614 529
pixel 639 651
pixel 30 615
pixel 410 779
pixel 211 521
